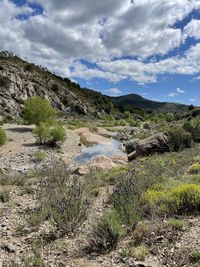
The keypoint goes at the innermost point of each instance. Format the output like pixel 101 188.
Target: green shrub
pixel 140 252
pixel 169 117
pixel 193 127
pixel 106 233
pixel 63 200
pixel 55 87
pixel 36 259
pixel 49 134
pixel 38 110
pixel 5 196
pixel 140 232
pixel 4 81
pixel 2 137
pixel 179 138
pixel 182 199
pixel 195 257
pixel 39 155
pixel 177 224
pixel 194 168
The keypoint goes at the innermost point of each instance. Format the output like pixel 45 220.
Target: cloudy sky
pixel 150 47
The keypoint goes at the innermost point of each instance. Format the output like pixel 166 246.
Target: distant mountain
pixel 134 102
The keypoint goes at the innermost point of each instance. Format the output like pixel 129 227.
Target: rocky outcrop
pixel 154 144
pixel 20 80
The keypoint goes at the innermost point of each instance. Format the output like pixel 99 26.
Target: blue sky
pixel 149 47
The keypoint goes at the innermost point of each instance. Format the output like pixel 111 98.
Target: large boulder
pixel 99 163
pixel 154 144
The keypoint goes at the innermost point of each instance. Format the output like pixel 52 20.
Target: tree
pixel 38 110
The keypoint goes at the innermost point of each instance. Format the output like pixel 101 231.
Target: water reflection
pixel 109 150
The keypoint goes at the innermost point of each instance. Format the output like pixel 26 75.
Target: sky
pixel 117 47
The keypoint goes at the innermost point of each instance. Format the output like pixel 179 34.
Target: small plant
pixel 36 260
pixel 194 168
pixel 5 196
pixel 4 81
pixel 195 257
pixel 106 233
pixel 140 252
pixel 178 225
pixel 2 136
pixel 55 87
pixel 39 156
pixel 140 232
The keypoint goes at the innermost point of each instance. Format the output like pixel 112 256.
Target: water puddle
pixel 109 150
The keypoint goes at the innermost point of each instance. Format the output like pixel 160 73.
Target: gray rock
pixel 156 143
pixel 8 247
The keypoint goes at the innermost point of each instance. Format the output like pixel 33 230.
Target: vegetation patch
pixel 106 233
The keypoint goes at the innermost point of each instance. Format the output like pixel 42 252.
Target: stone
pixel 8 247
pixel 156 143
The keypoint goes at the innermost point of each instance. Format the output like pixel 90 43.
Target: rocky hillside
pixel 134 101
pixel 20 80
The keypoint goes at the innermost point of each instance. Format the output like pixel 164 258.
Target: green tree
pixel 37 110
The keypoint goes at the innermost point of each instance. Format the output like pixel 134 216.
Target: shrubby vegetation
pixel 2 137
pixel 63 200
pixel 49 134
pixel 38 110
pixel 179 138
pixel 4 81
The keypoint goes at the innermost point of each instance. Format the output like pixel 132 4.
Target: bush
pixel 39 156
pixel 195 257
pixel 179 138
pixel 38 110
pixel 106 233
pixel 63 200
pixel 4 81
pixel 49 135
pixel 182 199
pixel 169 117
pixel 55 87
pixel 194 168
pixel 5 196
pixel 177 225
pixel 140 252
pixel 126 197
pixel 2 137
pixel 193 127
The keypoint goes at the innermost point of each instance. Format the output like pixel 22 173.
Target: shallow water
pixel 109 150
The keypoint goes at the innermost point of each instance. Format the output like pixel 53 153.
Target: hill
pixel 20 80
pixel 134 101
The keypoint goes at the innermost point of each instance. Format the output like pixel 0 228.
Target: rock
pixel 97 164
pixel 154 144
pixel 8 247
pixel 132 156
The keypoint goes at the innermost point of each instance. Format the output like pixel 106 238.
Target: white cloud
pixel 176 93
pixel 180 91
pixel 193 99
pixel 192 29
pixel 113 91
pixel 102 32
